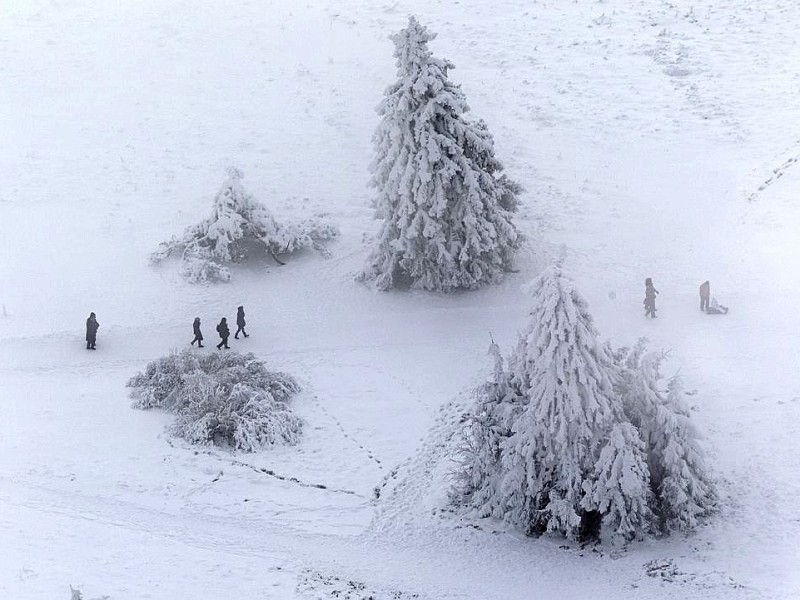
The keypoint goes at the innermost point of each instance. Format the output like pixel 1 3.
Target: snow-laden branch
pixel 239 228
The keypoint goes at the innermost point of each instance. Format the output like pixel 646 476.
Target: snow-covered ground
pixel 655 139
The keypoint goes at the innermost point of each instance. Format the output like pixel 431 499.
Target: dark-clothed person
pixel 649 298
pixel 91 332
pixel 240 323
pixel 224 333
pixel 705 294
pixel 198 335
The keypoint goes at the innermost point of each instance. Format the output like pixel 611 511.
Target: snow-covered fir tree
pixel 576 439
pixel 680 480
pixel 571 463
pixel 239 228
pixel 445 205
pixel 498 403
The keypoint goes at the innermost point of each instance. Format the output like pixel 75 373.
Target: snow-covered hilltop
pixel 652 139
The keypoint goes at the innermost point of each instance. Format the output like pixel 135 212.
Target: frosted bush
pixel 199 267
pixel 240 228
pixel 574 439
pixel 226 399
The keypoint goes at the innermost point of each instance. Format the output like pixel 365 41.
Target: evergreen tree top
pixel 422 76
pixel 556 301
pixel 411 43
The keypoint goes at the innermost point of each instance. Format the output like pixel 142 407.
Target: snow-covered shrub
pixel 445 206
pixel 574 439
pixel 239 228
pixel 227 399
pixel 197 266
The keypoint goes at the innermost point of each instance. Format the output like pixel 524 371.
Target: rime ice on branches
pixel 574 439
pixel 239 228
pixel 445 205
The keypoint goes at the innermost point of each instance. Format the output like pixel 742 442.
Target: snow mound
pixel 416 492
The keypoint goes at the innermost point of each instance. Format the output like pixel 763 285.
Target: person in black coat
pixel 240 322
pixel 224 333
pixel 198 335
pixel 91 332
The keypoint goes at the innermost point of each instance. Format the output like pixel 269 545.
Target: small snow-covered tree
pixel 680 480
pixel 239 228
pixel 226 399
pixel 571 463
pixel 685 489
pixel 497 405
pixel 445 205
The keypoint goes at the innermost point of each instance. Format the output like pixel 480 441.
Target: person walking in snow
pixel 224 333
pixel 705 294
pixel 649 298
pixel 91 331
pixel 240 323
pixel 198 335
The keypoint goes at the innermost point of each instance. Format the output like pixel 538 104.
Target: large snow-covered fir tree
pixel 445 205
pixel 238 228
pixel 574 439
pixel 570 464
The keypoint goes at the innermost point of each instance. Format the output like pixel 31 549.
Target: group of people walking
pixel 708 304
pixel 222 329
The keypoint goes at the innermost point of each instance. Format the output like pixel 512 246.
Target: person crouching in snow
pixel 91 331
pixel 198 335
pixel 240 322
pixel 649 298
pixel 705 293
pixel 224 333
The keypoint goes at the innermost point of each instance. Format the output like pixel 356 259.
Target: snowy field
pixel 654 138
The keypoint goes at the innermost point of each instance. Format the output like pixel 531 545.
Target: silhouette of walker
pixel 198 335
pixel 705 294
pixel 240 322
pixel 649 298
pixel 224 333
pixel 91 332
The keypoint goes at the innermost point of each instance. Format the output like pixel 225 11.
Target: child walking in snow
pixel 649 298
pixel 224 332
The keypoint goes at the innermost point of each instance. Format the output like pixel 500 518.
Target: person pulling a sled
pixel 224 333
pixel 240 323
pixel 649 298
pixel 705 294
pixel 198 335
pixel 91 331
